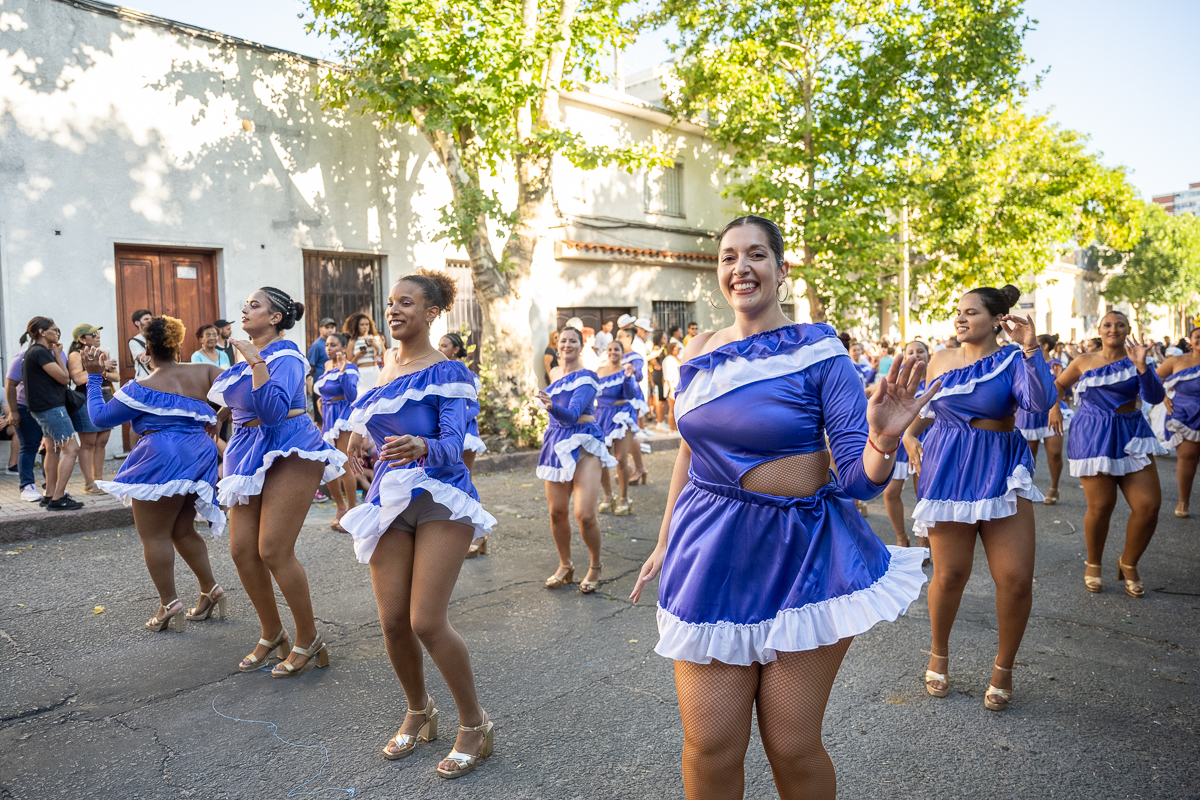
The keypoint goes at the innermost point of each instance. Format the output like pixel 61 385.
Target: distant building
pixel 1184 202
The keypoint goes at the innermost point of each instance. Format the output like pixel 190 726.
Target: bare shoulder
pixel 939 362
pixel 700 344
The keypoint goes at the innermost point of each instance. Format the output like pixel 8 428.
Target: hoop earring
pixel 787 292
pixel 714 305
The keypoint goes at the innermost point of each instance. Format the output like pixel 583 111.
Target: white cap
pixel 624 321
pixel 643 323
pixel 575 322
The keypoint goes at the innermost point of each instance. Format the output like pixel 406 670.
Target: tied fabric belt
pixel 778 501
pixel 333 399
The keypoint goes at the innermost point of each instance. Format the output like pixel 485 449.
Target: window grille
pixel 672 312
pixel 664 191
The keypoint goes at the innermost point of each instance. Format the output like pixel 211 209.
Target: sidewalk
pixel 21 520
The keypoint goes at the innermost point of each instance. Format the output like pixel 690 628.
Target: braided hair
pixel 282 302
pixel 460 349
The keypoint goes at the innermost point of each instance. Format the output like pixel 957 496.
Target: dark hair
pixel 341 337
pixel 350 326
pixel 928 352
pixel 281 301
pixel 163 337
pixel 438 287
pixel 773 234
pixel 844 338
pixel 578 333
pixel 671 330
pixel 658 336
pixel 693 322
pixel 998 301
pixel 618 343
pixel 630 331
pixel 460 349
pixel 141 312
pixel 1120 314
pixel 1047 340
pixel 1096 340
pixel 36 327
pixel 200 331
pixel 672 347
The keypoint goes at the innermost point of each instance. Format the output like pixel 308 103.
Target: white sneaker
pixel 31 494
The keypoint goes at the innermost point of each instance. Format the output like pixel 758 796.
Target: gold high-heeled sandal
pixel 1093 583
pixel 465 764
pixel 940 677
pixel 1133 586
pixel 1051 497
pixel 555 582
pixel 605 506
pixel 280 645
pixel 624 508
pixel 406 743
pixel 477 548
pixel 1183 511
pixel 586 586
pixel 215 600
pixel 995 698
pixel 157 623
pixel 317 655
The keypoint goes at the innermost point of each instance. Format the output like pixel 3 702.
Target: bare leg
pixel 87 450
pixel 671 412
pixel 255 577
pixel 1054 459
pixel 635 449
pixel 953 547
pixel 586 485
pixel 334 488
pixel 620 449
pixel 1144 495
pixel 1010 543
pixel 893 501
pixel 50 467
pixel 469 460
pixel 1033 447
pixel 558 498
pixel 349 486
pixel 1187 457
pixel 68 449
pixel 98 458
pixel 606 482
pixel 716 701
pixel 1101 494
pixel 192 547
pixel 792 693
pixel 155 523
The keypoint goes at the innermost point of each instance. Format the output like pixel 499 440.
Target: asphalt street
pixel 94 706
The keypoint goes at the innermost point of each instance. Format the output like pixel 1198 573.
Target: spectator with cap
pixel 93 439
pixel 316 351
pixel 224 331
pixel 137 343
pixel 604 336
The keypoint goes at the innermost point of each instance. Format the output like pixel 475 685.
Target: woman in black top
pixel 550 357
pixel 45 377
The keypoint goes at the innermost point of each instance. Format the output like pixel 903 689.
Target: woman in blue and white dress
pixel 1180 374
pixel 617 419
pixel 641 408
pixel 170 475
pixel 420 516
pixel 573 452
pixel 453 347
pixel 335 390
pixel 1112 447
pixel 1047 426
pixel 768 571
pixel 274 463
pixel 975 476
pixel 893 498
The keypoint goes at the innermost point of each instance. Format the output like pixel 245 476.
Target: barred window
pixel 664 190
pixel 672 312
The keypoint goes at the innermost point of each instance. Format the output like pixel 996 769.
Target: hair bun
pixel 173 332
pixel 1012 294
pixel 297 310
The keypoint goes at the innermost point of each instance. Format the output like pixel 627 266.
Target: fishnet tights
pixel 413 576
pixel 716 701
pixel 791 476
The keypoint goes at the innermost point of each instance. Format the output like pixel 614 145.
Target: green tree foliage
pixel 822 103
pixel 1161 268
pixel 1000 204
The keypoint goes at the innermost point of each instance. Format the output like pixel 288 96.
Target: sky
pixel 1124 73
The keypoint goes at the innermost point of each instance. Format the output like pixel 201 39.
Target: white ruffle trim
pixel 734 373
pixel 794 630
pixel 1180 433
pixel 1137 457
pixel 473 444
pixel 625 425
pixel 368 522
pixel 901 471
pixel 640 405
pixel 1036 434
pixel 930 512
pixel 967 387
pixel 331 436
pixel 333 374
pixel 208 416
pixel 1181 377
pixel 205 508
pixel 390 405
pixel 234 490
pixel 565 448
pixel 571 386
pixel 239 370
pixel 1087 382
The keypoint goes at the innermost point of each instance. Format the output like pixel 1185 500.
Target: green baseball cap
pixel 84 330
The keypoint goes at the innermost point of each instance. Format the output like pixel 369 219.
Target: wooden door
pixel 337 285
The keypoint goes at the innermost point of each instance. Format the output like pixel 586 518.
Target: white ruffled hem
pixel 473 444
pixel 901 471
pixel 625 426
pixel 368 522
pixel 331 436
pixel 794 630
pixel 1137 457
pixel 930 512
pixel 205 508
pixel 1180 433
pixel 233 490
pixel 565 448
pixel 1037 434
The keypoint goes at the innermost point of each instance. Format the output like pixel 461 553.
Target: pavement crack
pixel 39 710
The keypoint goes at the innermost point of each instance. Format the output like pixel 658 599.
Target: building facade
pixel 1184 202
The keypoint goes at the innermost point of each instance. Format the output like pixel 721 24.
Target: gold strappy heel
pixel 996 699
pixel 1093 583
pixel 176 619
pixel 940 677
pixel 477 548
pixel 406 743
pixel 253 662
pixel 624 508
pixel 215 600
pixel 605 506
pixel 1182 510
pixel 465 764
pixel 555 582
pixel 1051 497
pixel 316 653
pixel 1133 586
pixel 586 586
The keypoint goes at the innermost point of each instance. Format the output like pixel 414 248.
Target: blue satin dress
pixel 1103 442
pixel 571 397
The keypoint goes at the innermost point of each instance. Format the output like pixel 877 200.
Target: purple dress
pixel 748 575
pixel 338 390
pixel 1103 442
pixel 1183 423
pixel 616 421
pixel 639 369
pixel 174 455
pixel 571 397
pixel 432 403
pixel 968 474
pixel 253 449
pixel 472 443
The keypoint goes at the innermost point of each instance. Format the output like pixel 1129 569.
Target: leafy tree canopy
pixel 1162 267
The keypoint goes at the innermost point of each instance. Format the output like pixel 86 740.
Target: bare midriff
pixel 995 425
pixel 585 418
pixel 791 476
pixel 1126 408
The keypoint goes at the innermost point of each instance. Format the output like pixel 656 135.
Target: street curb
pixel 529 458
pixel 48 524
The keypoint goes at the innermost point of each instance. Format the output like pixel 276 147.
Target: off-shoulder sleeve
pixel 273 400
pixel 1151 387
pixel 453 415
pixel 1033 384
pixel 581 401
pixel 844 408
pixel 112 414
